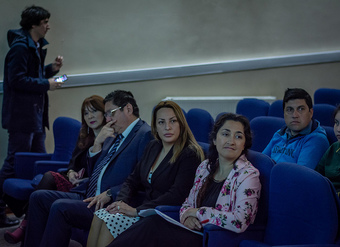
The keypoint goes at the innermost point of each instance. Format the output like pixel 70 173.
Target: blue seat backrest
pixel 65 132
pixel 263 129
pixel 264 164
pixel 303 207
pixel 219 115
pixel 200 122
pixel 252 108
pixel 330 134
pixel 205 148
pixel 276 109
pixel 329 96
pixel 324 114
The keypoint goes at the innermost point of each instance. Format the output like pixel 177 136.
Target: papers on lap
pixel 151 211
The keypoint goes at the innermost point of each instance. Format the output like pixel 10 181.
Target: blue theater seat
pixel 263 129
pixel 329 96
pixel 200 122
pixel 303 209
pixel 219 115
pixel 324 114
pixel 29 167
pixel 215 236
pixel 276 109
pixel 251 108
pixel 330 134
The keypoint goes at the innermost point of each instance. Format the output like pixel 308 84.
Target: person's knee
pixel 61 204
pixel 47 182
pixel 37 204
pixel 63 208
pixel 62 211
pixel 57 208
pixel 47 175
pixel 35 196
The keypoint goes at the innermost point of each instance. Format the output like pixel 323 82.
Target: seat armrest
pixel 171 211
pixel 252 243
pixel 24 163
pixel 36 180
pixel 251 228
pixel 166 208
pixel 43 166
pixel 62 170
pixel 215 236
pixel 212 227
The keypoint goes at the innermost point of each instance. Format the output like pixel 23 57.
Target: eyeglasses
pixel 112 112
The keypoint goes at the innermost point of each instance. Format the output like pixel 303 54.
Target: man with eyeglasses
pixel 302 140
pixel 116 150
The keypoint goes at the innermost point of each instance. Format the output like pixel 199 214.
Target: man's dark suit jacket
pixel 122 162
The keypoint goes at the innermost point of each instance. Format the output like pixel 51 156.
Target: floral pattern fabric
pixel 237 203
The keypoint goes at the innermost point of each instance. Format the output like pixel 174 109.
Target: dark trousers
pixel 51 216
pixel 154 231
pixel 19 142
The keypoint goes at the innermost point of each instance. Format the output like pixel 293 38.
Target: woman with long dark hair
pixel 225 193
pixel 166 173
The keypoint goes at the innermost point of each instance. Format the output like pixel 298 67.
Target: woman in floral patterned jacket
pixel 225 193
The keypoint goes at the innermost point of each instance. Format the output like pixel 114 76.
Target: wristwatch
pixel 108 193
pixel 68 173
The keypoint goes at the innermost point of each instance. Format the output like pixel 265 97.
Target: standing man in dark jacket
pixel 25 99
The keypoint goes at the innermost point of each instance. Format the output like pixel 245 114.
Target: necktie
pixel 91 190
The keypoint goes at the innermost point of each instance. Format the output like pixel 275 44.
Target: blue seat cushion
pixel 20 189
pixel 36 180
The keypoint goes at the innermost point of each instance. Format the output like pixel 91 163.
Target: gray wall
pixel 106 35
pixel 102 36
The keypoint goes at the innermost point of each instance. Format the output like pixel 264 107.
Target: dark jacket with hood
pixel 25 99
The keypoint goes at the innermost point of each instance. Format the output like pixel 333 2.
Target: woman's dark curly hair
pixel 213 154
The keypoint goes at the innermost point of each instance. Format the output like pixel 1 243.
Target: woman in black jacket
pixel 165 173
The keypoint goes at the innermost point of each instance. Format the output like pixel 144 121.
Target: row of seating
pixel 298 206
pixel 325 101
pixel 66 132
pixel 29 167
pixel 329 96
pixel 252 108
pixel 265 120
pixel 263 127
pixel 200 121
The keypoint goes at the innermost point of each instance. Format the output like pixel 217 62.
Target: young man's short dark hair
pixel 297 93
pixel 121 98
pixel 33 16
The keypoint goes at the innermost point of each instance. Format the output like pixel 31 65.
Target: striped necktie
pixel 91 189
